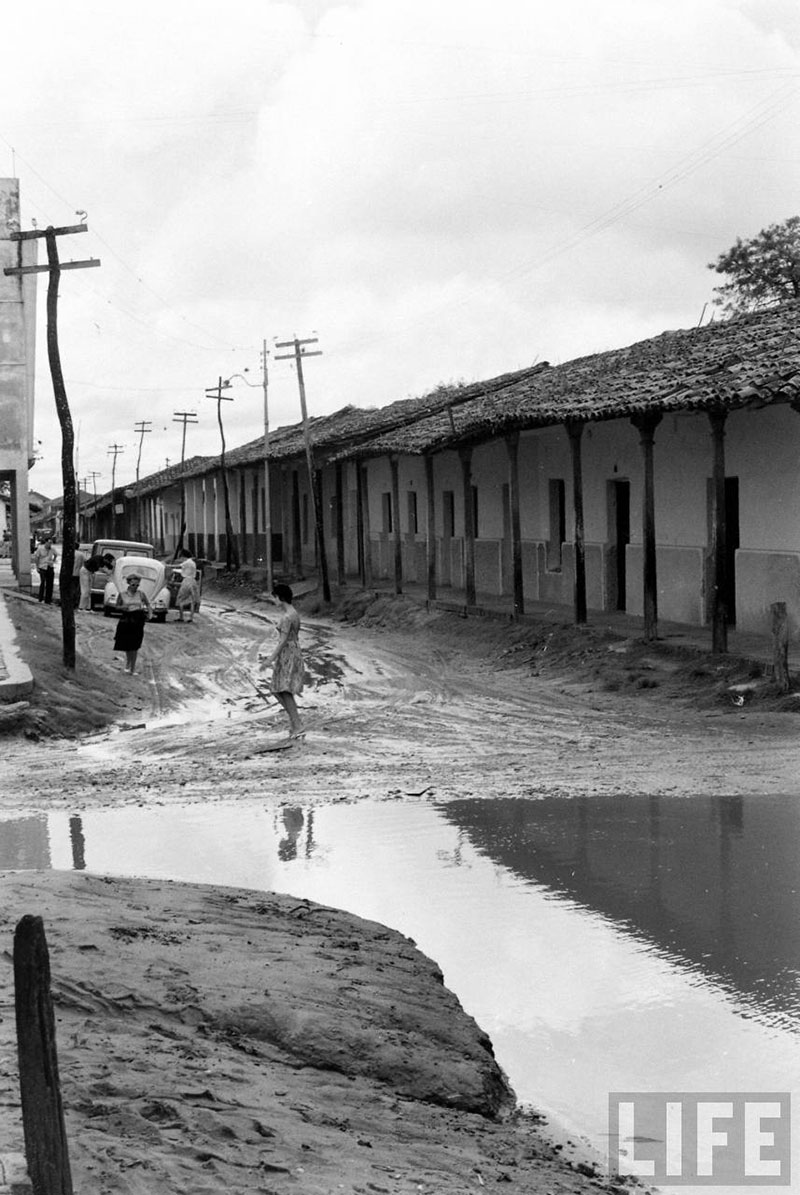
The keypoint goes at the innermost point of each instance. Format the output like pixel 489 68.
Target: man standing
pixel 88 569
pixel 44 558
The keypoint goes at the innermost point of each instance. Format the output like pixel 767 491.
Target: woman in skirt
pixel 286 659
pixel 130 628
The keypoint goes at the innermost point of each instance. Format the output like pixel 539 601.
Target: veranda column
pixel 339 499
pixel 364 482
pixel 719 613
pixel 430 527
pixel 512 446
pixel 465 455
pixel 575 431
pixel 646 426
pixel 398 543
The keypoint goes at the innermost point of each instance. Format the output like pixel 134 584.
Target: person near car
pixel 135 608
pixel 78 562
pixel 44 558
pixel 90 566
pixel 188 596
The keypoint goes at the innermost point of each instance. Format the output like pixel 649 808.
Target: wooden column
pixel 40 1093
pixel 465 456
pixel 719 614
pixel 512 446
pixel 340 562
pixel 646 426
pixel 430 526
pixel 367 532
pixel 398 543
pixel 297 530
pixel 360 522
pixel 575 431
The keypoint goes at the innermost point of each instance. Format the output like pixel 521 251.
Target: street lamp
pixel 267 502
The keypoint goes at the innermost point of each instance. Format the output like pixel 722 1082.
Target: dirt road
pixel 394 700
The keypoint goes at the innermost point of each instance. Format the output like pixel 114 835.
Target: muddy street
pixel 439 707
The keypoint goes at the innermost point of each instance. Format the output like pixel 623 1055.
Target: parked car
pixel 153 585
pixel 117 547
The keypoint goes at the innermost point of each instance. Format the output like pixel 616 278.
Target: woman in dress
pixel 130 628
pixel 286 659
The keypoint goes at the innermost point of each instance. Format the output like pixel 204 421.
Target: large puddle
pixel 604 944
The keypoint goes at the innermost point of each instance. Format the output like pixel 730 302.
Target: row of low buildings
pixel 662 479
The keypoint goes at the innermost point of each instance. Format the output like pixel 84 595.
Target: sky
pixel 439 191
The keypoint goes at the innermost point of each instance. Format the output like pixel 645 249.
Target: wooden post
pixel 719 614
pixel 469 525
pixel 398 543
pixel 780 646
pixel 339 500
pixel 367 526
pixel 430 526
pixel 360 545
pixel 512 446
pixel 42 1112
pixel 646 426
pixel 575 431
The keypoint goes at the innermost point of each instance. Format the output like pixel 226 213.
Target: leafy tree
pixel 762 271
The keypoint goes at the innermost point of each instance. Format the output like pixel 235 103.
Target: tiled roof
pixel 751 359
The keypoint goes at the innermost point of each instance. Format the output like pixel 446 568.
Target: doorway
pixel 619 535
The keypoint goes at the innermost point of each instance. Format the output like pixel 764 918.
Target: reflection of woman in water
pixel 286 659
pixel 130 628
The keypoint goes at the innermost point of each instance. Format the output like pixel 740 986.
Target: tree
pixel 762 271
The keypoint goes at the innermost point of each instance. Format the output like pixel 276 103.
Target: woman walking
pixel 286 659
pixel 130 628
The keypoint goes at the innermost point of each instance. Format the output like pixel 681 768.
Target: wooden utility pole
pixel 141 429
pixel 299 351
pixel 69 540
pixel 114 450
pixel 183 417
pixel 231 547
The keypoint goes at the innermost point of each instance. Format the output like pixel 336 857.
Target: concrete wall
pixel 17 344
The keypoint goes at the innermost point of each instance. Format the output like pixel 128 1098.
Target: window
pixel 386 508
pixel 558 523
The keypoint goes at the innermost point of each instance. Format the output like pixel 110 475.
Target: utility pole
pixel 231 547
pixel 94 476
pixel 114 450
pixel 299 352
pixel 54 268
pixel 183 417
pixel 140 429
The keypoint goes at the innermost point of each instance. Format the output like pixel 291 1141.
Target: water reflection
pixel 710 881
pixel 24 843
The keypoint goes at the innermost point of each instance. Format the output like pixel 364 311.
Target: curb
pixel 16 680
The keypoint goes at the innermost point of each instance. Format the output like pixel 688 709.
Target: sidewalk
pixel 757 648
pixel 16 681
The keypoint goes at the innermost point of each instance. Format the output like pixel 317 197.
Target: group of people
pixel 285 659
